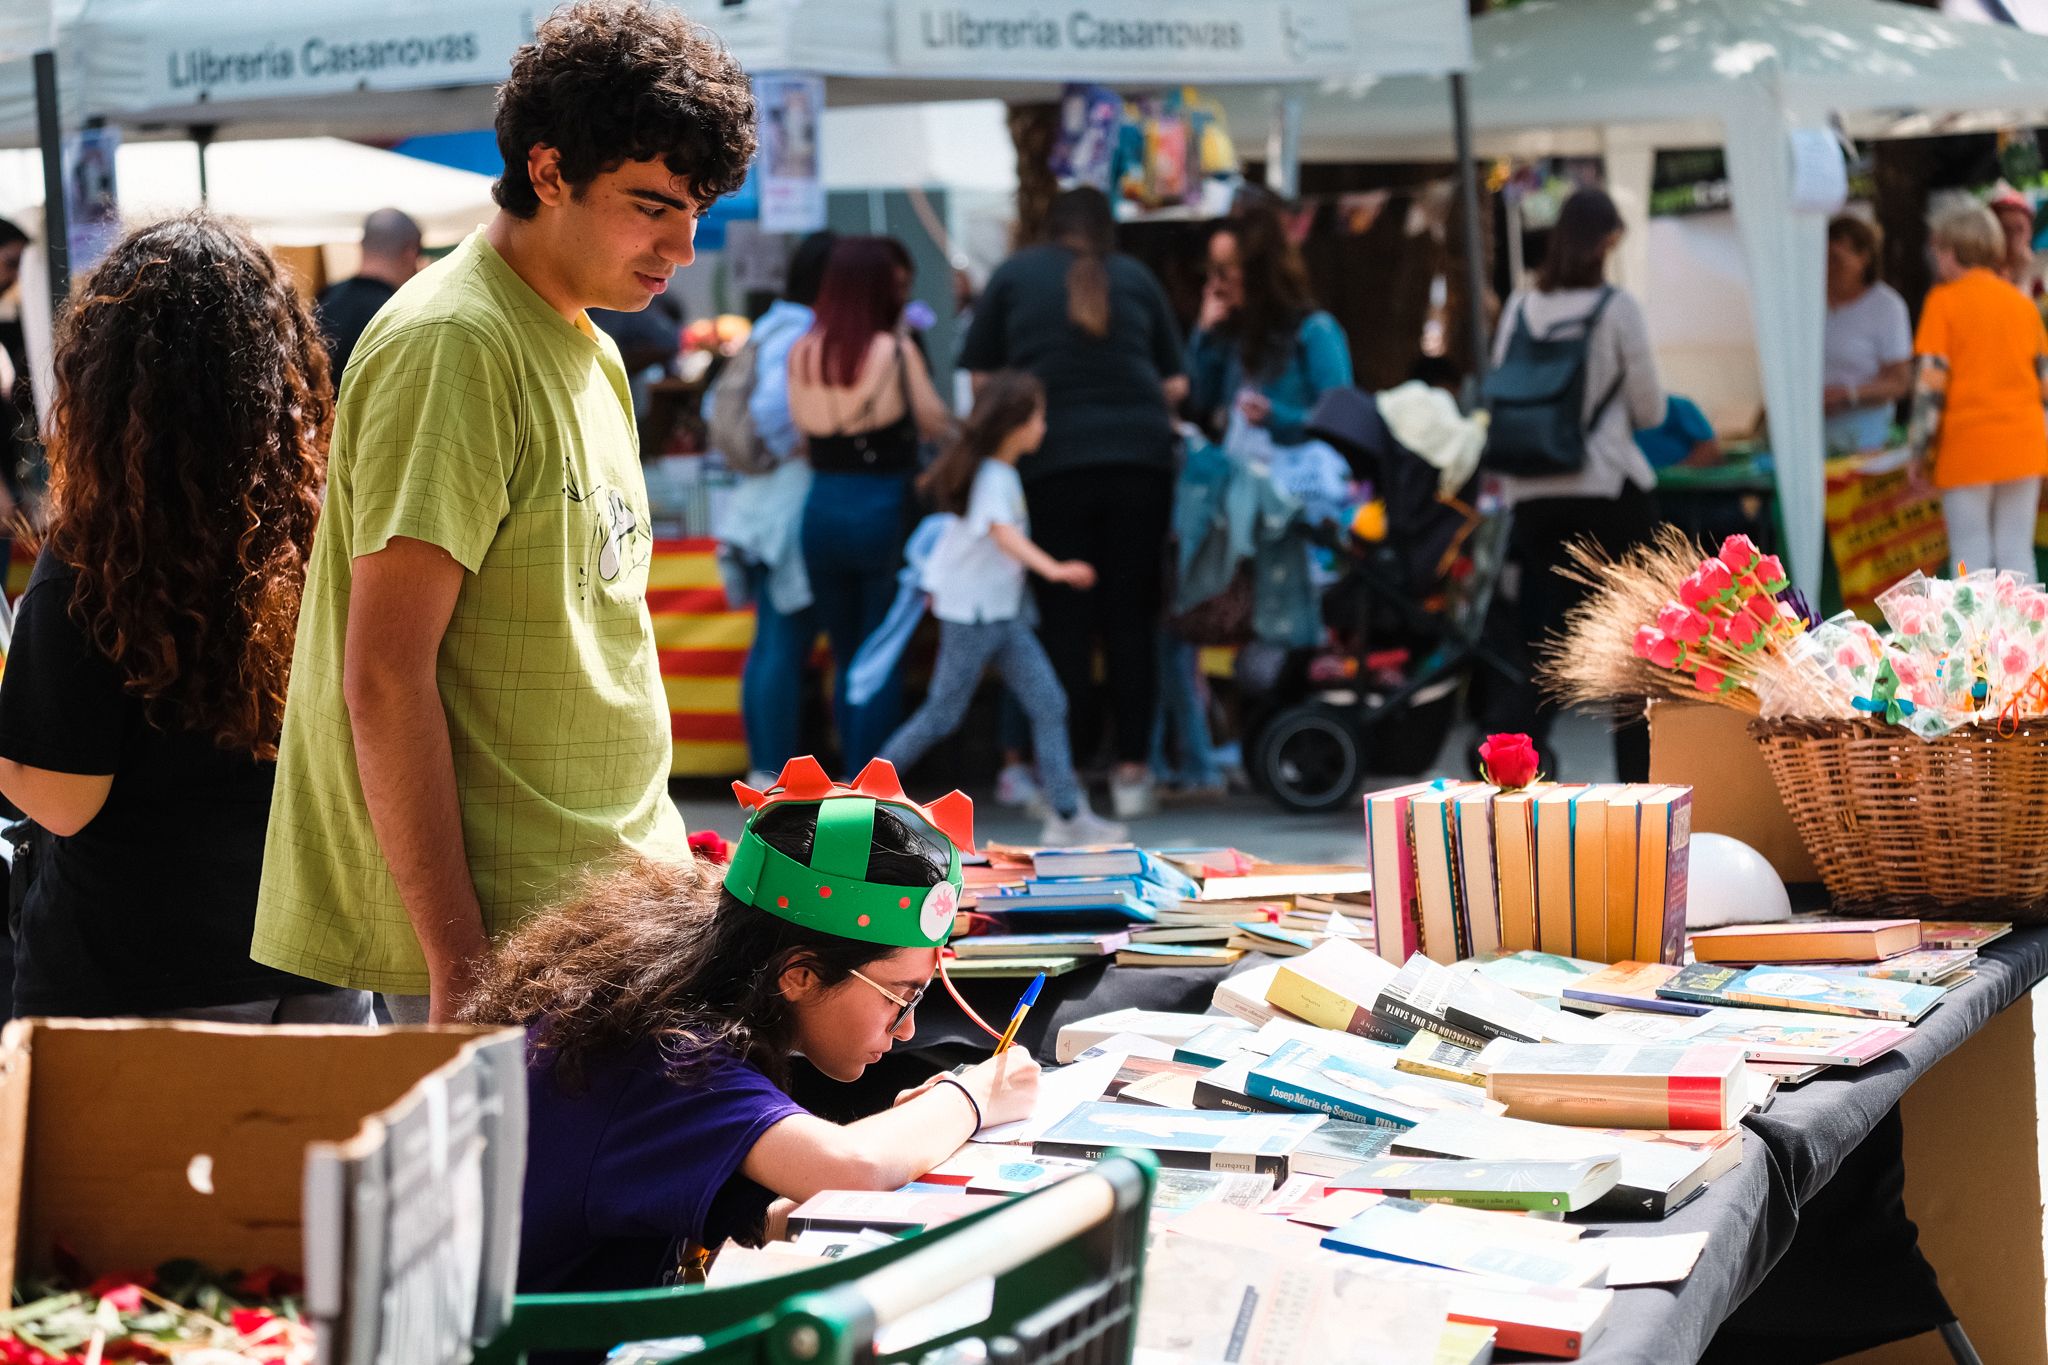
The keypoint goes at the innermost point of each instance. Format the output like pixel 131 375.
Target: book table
pixel 1810 1252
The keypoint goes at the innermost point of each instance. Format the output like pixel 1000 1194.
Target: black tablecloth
pixel 1850 1274
pixel 1847 1282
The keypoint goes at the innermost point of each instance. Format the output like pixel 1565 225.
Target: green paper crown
pixel 832 893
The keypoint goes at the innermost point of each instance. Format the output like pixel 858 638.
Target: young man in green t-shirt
pixel 476 707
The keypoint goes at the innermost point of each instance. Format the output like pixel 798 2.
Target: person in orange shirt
pixel 1978 420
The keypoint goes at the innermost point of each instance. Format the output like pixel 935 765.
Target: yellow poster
pixel 1879 528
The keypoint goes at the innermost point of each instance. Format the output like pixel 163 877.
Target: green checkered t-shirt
pixel 474 417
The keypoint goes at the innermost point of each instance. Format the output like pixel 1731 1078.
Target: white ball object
pixel 1731 883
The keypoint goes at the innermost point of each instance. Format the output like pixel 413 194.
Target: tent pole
pixel 1283 146
pixel 1475 240
pixel 202 138
pixel 56 222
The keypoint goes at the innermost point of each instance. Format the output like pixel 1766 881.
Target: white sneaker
pixel 1081 828
pixel 1017 787
pixel 1133 799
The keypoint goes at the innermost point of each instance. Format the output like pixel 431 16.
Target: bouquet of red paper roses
pixel 1666 621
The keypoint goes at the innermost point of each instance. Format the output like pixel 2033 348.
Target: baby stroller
pixel 1403 621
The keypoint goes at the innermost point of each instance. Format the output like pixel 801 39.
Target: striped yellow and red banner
pixel 703 644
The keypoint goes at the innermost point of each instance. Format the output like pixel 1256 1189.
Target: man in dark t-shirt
pixel 391 256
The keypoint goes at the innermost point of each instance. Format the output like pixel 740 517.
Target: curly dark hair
pixel 610 81
pixel 188 447
pixel 653 949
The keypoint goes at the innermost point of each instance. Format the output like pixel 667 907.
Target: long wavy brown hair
pixel 188 447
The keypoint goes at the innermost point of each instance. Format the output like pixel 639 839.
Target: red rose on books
pixel 1508 760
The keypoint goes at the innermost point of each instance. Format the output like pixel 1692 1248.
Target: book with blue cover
pixel 1316 1081
pixel 1195 1139
pixel 1818 991
pixel 1090 906
pixel 1082 888
pixel 1811 990
pixel 1122 861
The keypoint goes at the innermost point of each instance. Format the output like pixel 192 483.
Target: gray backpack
pixel 729 426
pixel 1537 398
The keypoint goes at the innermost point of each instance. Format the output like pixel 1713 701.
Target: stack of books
pixel 1592 872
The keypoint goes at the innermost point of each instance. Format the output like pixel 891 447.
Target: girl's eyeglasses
pixel 903 1007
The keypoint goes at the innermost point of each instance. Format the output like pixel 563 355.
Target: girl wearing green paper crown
pixel 662 1008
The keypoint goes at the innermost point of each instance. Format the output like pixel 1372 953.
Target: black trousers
pixel 1115 518
pixel 1543 529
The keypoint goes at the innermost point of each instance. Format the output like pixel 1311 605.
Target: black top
pixel 345 309
pixel 854 449
pixel 151 905
pixel 1103 400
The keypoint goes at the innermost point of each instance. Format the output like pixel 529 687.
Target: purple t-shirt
pixel 623 1169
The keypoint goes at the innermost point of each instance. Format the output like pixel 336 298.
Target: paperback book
pixel 1519 1186
pixel 1619 1085
pixel 1195 1139
pixel 1304 1078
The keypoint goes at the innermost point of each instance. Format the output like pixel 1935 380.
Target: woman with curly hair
pixel 477 708
pixel 140 708
pixel 662 1005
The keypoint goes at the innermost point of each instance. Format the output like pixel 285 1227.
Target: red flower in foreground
pixel 1508 760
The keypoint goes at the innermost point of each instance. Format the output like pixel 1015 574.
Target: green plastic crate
pixel 1066 1262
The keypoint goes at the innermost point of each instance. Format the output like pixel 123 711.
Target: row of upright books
pixel 1461 869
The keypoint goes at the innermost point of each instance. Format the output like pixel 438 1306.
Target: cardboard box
pixel 383 1164
pixel 1709 749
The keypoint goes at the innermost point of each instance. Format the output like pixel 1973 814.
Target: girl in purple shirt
pixel 662 1007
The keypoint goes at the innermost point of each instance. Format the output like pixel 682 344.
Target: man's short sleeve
pixel 62 708
pixel 670 1148
pixel 429 431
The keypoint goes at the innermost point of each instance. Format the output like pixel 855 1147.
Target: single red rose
pixel 1709 678
pixel 1770 570
pixel 1714 576
pixel 711 846
pixel 1738 553
pixel 1508 760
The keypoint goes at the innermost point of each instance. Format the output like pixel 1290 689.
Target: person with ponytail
pixel 662 1004
pixel 1094 326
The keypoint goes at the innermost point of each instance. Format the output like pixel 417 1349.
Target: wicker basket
pixel 1900 824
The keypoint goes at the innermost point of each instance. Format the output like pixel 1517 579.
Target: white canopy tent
pixel 1622 78
pixel 294 192
pixel 388 68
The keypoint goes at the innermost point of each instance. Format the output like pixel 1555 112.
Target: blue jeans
pixel 771 684
pixel 853 534
pixel 1181 712
pixel 965 649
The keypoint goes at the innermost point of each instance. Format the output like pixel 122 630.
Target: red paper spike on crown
pixel 805 779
